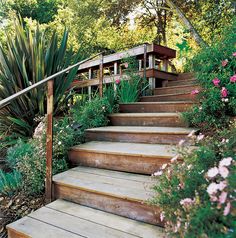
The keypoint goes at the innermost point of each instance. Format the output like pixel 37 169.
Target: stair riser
pixel 181 83
pixel 154 108
pixel 135 137
pixel 141 121
pixel 15 234
pixel 124 207
pixel 183 89
pixel 184 76
pixel 182 97
pixel 127 163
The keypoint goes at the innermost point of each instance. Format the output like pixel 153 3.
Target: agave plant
pixel 29 58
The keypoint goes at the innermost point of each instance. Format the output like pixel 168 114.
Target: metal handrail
pixel 49 142
pixel 7 100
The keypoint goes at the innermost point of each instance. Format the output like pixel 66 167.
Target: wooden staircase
pixel 105 195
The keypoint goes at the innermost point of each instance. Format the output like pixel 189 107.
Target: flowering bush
pixel 197 193
pixel 215 70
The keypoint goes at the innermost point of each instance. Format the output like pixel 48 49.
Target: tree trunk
pixel 186 22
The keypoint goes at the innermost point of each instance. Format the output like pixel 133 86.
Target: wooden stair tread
pixel 143 129
pixel 146 114
pixel 167 95
pixel 158 103
pixel 177 87
pixel 121 148
pixel 62 219
pixel 90 179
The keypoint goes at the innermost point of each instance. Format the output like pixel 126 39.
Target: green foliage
pixel 132 84
pixel 215 109
pixel 183 189
pixel 29 58
pixel 10 182
pixel 93 114
pixel 42 11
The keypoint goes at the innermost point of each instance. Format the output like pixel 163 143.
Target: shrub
pixel 93 114
pixel 132 85
pixel 10 182
pixel 215 69
pixel 28 59
pixel 198 196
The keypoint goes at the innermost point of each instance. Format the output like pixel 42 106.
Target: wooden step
pixel 152 135
pixel 175 89
pixel 169 97
pixel 120 193
pixel 182 82
pixel 130 157
pixel 63 219
pixel 178 106
pixel 183 76
pixel 147 119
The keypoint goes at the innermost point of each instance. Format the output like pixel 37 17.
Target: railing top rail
pixel 7 100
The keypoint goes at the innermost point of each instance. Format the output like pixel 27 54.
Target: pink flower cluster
pixel 187 202
pixel 216 189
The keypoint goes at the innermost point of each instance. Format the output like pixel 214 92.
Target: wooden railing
pixel 49 142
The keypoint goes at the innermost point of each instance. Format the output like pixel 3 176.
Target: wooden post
pixel 165 65
pixel 151 60
pixel 90 87
pixel 101 77
pixel 49 142
pixel 145 62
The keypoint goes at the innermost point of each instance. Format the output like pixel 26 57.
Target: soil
pixel 15 207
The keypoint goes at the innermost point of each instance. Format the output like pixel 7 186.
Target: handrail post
pixel 145 62
pixel 49 143
pixel 101 75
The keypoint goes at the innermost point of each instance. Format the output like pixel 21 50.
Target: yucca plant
pixel 29 58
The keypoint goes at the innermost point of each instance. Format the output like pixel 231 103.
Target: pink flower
pixel 223 171
pixel 191 133
pixel 225 162
pixel 174 159
pixel 234 54
pixel 224 92
pixel 216 82
pixel 233 79
pixel 195 92
pixel 181 142
pixel 163 166
pixel 162 216
pixel 117 81
pixel 222 185
pixel 212 188
pixel 213 198
pixel 222 197
pixel 187 202
pixel 212 172
pixel 126 65
pixel 227 209
pixel 224 62
pixel 158 173
pixel 200 137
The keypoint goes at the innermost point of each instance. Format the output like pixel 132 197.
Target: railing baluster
pixel 49 144
pixel 101 75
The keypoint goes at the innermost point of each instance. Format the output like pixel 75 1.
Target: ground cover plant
pixel 197 193
pixel 215 71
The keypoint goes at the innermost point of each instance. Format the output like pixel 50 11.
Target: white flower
pixel 212 188
pixel 212 172
pixel 225 162
pixel 59 143
pixel 158 173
